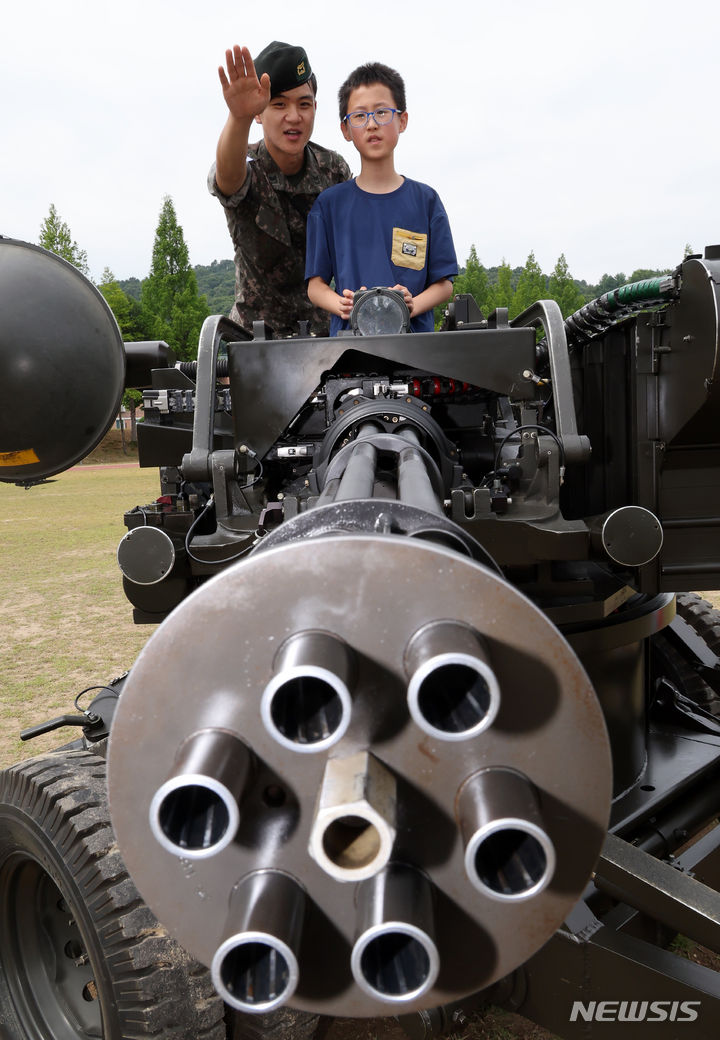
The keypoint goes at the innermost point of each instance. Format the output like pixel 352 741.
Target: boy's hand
pixel 245 96
pixel 345 304
pixel 407 296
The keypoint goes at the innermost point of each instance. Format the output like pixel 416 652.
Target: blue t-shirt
pixel 399 238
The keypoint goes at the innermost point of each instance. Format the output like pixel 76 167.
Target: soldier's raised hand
pixel 244 94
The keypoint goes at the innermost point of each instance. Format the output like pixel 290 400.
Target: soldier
pixel 267 189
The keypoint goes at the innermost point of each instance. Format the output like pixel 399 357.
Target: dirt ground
pixel 488 1024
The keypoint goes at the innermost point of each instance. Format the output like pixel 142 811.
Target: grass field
pixel 67 625
pixel 65 620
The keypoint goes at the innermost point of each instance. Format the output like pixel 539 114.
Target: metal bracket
pixel 660 890
pixel 546 313
pixel 196 464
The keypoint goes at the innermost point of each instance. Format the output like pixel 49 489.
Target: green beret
pixel 287 66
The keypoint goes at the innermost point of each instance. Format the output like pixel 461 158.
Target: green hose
pixel 648 290
pixel 597 316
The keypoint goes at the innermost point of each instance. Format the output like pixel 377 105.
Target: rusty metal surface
pixel 208 665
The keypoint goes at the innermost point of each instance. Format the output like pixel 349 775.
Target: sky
pixel 588 129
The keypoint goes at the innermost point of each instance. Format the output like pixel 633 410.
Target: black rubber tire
pixel 283 1024
pixel 669 662
pixel 81 955
pixel 702 615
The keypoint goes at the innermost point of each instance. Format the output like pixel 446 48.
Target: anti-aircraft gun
pixel 431 719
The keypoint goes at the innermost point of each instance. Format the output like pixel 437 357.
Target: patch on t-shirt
pixel 409 249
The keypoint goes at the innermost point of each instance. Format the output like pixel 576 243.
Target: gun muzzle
pixel 453 693
pixel 306 705
pixel 395 958
pixel 508 853
pixel 195 812
pixel 255 967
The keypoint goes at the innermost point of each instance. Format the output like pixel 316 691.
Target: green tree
pixel 502 292
pixel 117 300
pixel 217 283
pixel 563 290
pixel 474 280
pixel 56 237
pixel 131 322
pixel 531 287
pixel 640 274
pixel 609 282
pixel 170 296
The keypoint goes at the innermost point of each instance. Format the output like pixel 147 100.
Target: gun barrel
pixel 508 852
pixel 255 968
pixel 306 705
pixel 453 692
pixel 394 958
pixel 195 812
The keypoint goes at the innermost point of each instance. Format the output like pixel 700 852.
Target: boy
pixel 381 228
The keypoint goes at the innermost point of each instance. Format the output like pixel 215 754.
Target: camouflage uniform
pixel 267 219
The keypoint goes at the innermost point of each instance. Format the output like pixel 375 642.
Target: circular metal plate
pixel 208 664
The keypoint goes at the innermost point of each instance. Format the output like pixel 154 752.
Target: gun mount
pixel 420 726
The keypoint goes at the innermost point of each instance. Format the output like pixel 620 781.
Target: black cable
pixel 210 504
pixel 531 426
pixel 89 689
pixel 189 368
pixel 139 509
pixel 211 563
pixel 254 481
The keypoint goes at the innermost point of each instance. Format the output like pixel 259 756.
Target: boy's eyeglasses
pixel 380 115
